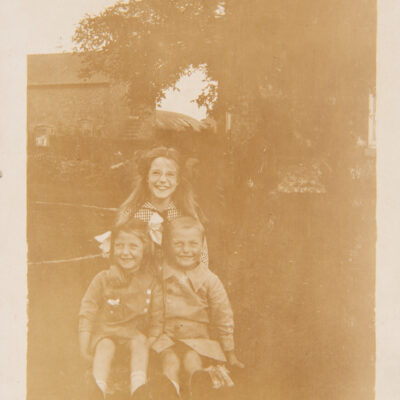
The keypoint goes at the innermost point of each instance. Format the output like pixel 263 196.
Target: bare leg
pixel 199 380
pixel 139 361
pixel 170 366
pixel 103 357
pixel 192 362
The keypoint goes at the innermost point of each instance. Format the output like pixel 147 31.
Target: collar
pixel 149 206
pixel 197 275
pixel 119 277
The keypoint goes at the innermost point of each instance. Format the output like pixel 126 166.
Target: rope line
pixel 66 260
pixel 76 205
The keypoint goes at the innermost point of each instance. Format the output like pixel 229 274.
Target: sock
pixel 138 378
pixel 102 385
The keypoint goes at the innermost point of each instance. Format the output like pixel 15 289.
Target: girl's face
pixel 128 251
pixel 163 178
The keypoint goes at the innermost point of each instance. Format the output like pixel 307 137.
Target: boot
pixel 94 392
pixel 161 388
pixel 201 386
pixel 141 393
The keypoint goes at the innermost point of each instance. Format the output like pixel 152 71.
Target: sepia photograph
pixel 201 193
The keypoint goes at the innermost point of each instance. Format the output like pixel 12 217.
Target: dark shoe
pixel 141 393
pixel 161 388
pixel 93 391
pixel 117 396
pixel 201 386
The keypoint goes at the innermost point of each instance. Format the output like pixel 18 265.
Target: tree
pixel 148 44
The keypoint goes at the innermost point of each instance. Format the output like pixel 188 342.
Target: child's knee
pixel 192 361
pixel 170 360
pixel 138 342
pixel 105 348
pixel 103 357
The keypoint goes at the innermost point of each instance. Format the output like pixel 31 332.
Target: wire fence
pixel 72 259
pixel 66 260
pixel 76 205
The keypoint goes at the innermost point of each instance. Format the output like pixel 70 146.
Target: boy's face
pixel 186 246
pixel 128 251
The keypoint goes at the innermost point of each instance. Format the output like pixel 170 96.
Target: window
pixel 42 134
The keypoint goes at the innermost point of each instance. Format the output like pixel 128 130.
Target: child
pixel 163 182
pixel 120 306
pixel 195 300
pixel 162 192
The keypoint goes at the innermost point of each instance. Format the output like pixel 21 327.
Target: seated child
pixel 121 306
pixel 195 300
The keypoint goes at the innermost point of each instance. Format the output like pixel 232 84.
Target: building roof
pixel 59 69
pixel 169 120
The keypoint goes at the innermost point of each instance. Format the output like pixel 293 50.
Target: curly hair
pixel 183 196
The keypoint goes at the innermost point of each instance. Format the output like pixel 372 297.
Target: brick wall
pixel 73 108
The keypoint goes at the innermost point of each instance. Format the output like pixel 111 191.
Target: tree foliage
pixel 147 44
pixel 294 74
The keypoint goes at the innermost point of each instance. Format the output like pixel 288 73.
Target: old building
pixel 61 102
pixel 66 110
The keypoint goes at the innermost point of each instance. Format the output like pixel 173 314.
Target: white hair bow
pixel 155 225
pixel 104 242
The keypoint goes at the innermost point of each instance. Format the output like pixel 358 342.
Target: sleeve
pixel 156 310
pixel 221 313
pixel 90 304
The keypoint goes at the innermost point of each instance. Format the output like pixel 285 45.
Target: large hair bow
pixel 156 228
pixel 104 243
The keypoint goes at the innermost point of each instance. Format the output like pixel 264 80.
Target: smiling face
pixel 186 245
pixel 162 178
pixel 128 251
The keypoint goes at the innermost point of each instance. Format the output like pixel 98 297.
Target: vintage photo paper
pixel 250 193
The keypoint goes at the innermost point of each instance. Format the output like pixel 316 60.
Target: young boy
pixel 195 300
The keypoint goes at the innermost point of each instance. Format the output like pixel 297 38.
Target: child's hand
pixel 84 340
pixel 233 361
